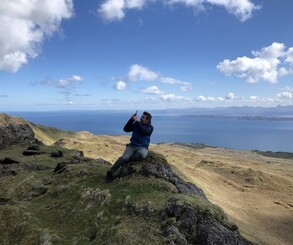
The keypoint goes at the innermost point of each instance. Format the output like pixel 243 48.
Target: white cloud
pixel 24 24
pixel 270 100
pixel 205 99
pixel 283 98
pixel 267 65
pixel 286 95
pixel 152 90
pixel 64 82
pixel 142 73
pixel 115 9
pixel 202 98
pixel 129 103
pixel 289 55
pixel 186 88
pixel 174 98
pixel 254 98
pixel 112 10
pixel 120 85
pixel 230 96
pixel 75 78
pixel 272 52
pixel 193 3
pixel 284 71
pixel 170 80
pixel 240 8
pixel 134 4
pixel 65 85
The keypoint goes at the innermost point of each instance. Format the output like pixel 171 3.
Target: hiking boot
pixel 109 177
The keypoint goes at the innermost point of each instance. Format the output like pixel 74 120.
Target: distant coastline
pixel 259 118
pixel 242 132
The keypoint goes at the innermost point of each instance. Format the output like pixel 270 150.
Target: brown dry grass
pixel 5 120
pixel 255 191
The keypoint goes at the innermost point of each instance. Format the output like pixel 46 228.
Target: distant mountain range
pixel 244 111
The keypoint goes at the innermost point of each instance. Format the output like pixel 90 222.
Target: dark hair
pixel 148 115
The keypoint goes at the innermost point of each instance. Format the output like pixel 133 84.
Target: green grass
pixel 79 207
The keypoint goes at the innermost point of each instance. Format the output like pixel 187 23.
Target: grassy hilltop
pixel 76 206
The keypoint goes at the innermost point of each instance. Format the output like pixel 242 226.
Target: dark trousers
pixel 131 153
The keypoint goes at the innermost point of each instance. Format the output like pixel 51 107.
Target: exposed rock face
pixel 181 223
pixel 163 170
pixel 14 131
pixel 196 227
pixel 159 168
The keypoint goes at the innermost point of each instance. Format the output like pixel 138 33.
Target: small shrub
pixel 97 196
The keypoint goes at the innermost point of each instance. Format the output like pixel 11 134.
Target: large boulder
pixel 182 222
pixel 157 166
pixel 195 226
pixel 14 130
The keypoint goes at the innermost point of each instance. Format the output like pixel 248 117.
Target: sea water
pixel 235 133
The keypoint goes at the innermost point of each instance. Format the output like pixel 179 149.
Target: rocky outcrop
pixel 164 171
pixel 14 131
pixel 192 226
pixel 157 166
pixel 183 223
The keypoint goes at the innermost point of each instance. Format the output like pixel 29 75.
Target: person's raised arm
pixel 145 130
pixel 129 125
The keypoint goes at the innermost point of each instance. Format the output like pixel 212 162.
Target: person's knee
pixel 144 153
pixel 139 155
pixel 125 158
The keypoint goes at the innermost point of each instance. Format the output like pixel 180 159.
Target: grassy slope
pixel 49 135
pixel 6 120
pixel 246 185
pixel 78 207
pixel 255 191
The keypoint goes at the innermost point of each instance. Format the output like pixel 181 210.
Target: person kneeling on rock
pixel 137 149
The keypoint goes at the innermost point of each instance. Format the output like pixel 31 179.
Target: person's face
pixel 143 119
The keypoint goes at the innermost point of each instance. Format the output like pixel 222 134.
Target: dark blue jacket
pixel 141 133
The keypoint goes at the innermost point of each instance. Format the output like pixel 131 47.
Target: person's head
pixel 145 117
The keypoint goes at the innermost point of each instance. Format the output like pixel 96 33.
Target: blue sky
pixel 145 54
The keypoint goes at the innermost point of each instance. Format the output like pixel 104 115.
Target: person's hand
pixel 134 117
